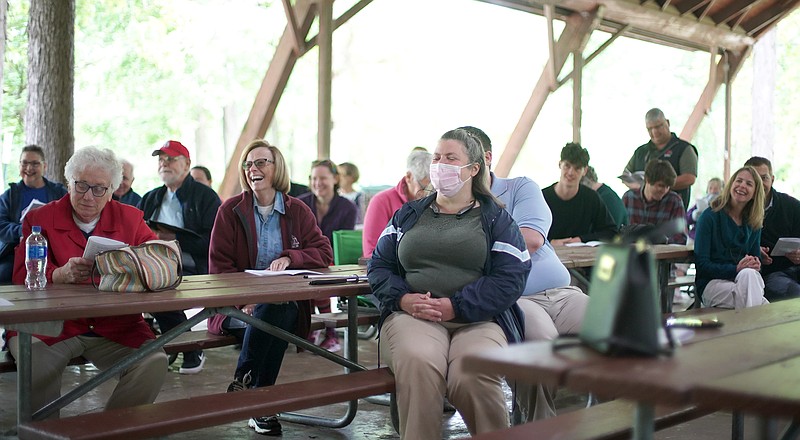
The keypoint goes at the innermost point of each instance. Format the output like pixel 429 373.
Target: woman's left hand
pixel 432 309
pixel 280 264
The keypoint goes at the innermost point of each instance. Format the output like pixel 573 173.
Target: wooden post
pixel 728 105
pixel 325 79
pixel 577 92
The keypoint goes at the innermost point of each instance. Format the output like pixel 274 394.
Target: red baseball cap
pixel 172 149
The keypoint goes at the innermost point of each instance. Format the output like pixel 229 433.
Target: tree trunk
pixel 51 65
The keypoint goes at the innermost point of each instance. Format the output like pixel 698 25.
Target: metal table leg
pixel 644 419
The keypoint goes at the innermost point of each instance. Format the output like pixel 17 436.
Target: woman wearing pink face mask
pixel 448 270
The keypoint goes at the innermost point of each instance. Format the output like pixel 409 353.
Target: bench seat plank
pixel 606 421
pixel 164 418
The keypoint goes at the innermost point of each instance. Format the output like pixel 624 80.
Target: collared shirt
pixel 268 232
pixel 170 211
pixel 654 212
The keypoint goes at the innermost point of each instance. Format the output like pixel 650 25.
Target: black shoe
pixel 240 384
pixel 268 425
pixel 193 363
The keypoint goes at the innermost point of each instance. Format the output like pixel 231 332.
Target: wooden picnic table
pixel 748 364
pixel 665 254
pixel 43 312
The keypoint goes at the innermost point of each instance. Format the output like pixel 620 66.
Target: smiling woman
pixel 727 245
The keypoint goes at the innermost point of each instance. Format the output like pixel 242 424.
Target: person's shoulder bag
pixel 149 267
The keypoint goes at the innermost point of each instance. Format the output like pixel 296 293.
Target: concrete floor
pixel 371 422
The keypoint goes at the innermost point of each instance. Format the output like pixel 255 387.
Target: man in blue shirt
pixel 125 194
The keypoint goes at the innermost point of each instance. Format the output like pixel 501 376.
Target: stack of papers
pixel 784 245
pixel 272 273
pixel 95 245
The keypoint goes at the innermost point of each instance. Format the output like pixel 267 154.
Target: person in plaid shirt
pixel 654 203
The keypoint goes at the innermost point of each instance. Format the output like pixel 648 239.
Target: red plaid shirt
pixel 642 212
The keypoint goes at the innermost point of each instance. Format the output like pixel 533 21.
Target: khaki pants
pixel 137 385
pixel 548 314
pixel 427 361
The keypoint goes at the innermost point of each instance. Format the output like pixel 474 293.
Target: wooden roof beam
pixel 342 19
pixel 670 24
pixel 299 42
pixel 732 10
pixel 690 6
pixel 760 23
pixel 597 52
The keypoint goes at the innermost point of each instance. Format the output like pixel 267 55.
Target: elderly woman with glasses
pixel 264 228
pixel 727 247
pixel 333 212
pixel 87 210
pixel 448 271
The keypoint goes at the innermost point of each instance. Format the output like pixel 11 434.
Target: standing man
pixel 579 215
pixel 383 205
pixel 665 145
pixel 552 307
pixel 125 194
pixel 182 210
pixel 32 186
pixel 654 203
pixel 781 219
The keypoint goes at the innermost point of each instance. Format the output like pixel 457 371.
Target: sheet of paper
pixel 35 203
pixel 588 243
pixel 95 245
pixel 784 245
pixel 272 273
pixel 5 302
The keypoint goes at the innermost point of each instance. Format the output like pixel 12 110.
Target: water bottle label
pixel 37 252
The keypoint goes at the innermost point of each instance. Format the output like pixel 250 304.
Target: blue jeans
pixel 262 353
pixel 784 284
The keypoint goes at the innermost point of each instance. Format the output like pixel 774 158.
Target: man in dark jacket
pixel 781 220
pixel 19 196
pixel 182 210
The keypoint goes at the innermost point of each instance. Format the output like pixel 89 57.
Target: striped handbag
pixel 149 267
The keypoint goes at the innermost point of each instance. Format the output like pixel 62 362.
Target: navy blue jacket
pixel 491 297
pixel 780 220
pixel 10 224
pixel 199 204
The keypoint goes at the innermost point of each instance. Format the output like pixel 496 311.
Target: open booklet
pixel 628 177
pixel 95 245
pixel 784 245
pixel 588 243
pixel 171 228
pixel 35 203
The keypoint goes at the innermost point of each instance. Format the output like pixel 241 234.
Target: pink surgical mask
pixel 446 178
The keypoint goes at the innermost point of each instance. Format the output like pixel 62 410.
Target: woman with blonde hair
pixel 727 245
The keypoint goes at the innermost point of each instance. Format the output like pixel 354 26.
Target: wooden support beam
pixel 761 23
pixel 551 47
pixel 574 36
pixel 268 95
pixel 299 42
pixel 577 95
pixel 735 62
pixel 731 10
pixel 597 52
pixel 690 6
pixel 325 77
pixel 728 125
pixel 342 19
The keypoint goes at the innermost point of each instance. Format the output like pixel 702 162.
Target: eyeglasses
pixel 34 164
pixel 259 163
pixel 165 160
pixel 97 190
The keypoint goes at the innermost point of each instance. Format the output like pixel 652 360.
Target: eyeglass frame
pixel 167 159
pixel 33 163
pixel 77 183
pixel 249 163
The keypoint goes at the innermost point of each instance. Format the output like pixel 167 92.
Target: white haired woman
pixel 87 210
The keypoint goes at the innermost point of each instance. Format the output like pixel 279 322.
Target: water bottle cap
pixel 36 229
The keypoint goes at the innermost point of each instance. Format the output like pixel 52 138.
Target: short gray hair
pixel 654 114
pixel 419 163
pixel 93 157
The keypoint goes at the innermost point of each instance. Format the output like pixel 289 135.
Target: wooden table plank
pixel 770 391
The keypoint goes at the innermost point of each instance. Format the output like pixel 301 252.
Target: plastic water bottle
pixel 36 259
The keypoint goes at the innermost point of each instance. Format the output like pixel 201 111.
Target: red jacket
pixel 234 248
pixel 118 221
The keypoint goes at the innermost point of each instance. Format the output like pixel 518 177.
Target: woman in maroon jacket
pixel 87 210
pixel 264 228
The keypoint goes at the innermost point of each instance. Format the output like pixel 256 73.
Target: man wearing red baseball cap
pixel 184 210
